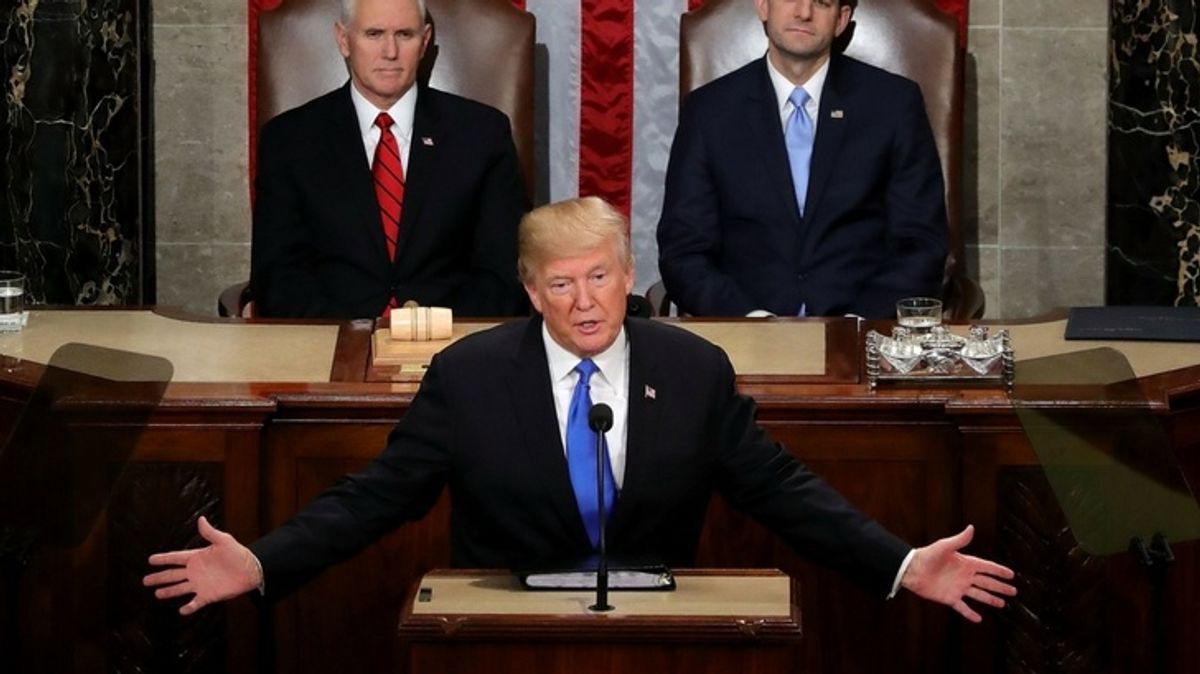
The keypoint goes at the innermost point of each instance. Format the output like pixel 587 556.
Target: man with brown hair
pixel 804 183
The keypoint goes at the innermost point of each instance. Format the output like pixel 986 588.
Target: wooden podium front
pixel 715 621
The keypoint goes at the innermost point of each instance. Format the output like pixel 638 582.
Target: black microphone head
pixel 600 418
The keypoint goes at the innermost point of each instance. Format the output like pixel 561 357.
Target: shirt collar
pixel 610 362
pixel 402 113
pixel 784 87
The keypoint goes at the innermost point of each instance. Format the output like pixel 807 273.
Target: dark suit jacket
pixel 484 423
pixel 318 245
pixel 731 239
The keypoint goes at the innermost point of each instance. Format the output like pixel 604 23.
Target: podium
pixel 715 621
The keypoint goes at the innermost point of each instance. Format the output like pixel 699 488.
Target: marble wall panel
pixel 1053 109
pixel 193 13
pixel 201 135
pixel 73 216
pixel 1154 165
pixel 1037 279
pixel 199 272
pixel 981 139
pixel 983 13
pixel 1055 13
pixel 984 265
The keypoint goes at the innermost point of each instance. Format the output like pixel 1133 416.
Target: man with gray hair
pixel 385 190
pixel 499 421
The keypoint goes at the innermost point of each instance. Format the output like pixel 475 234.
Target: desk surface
pixel 760 594
pixel 815 351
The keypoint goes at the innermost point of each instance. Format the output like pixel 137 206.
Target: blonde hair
pixel 568 228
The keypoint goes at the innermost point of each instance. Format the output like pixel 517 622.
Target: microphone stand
pixel 601 423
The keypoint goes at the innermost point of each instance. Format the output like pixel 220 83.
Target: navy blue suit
pixel 318 245
pixel 731 239
pixel 483 423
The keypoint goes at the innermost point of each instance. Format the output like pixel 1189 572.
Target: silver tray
pixel 939 356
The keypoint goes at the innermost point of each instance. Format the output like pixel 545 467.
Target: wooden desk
pixel 249 452
pixel 716 621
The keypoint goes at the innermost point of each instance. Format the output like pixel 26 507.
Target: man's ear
pixel 534 298
pixel 343 40
pixel 844 16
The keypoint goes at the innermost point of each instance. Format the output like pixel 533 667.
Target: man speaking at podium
pixel 495 420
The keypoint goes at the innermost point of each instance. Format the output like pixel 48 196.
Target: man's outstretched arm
pixel 939 572
pixel 223 570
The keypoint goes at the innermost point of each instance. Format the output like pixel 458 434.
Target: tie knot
pixel 384 121
pixel 586 368
pixel 799 97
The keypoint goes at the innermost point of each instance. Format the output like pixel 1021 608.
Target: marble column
pixel 1153 245
pixel 75 170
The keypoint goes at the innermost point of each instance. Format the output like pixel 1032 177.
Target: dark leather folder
pixel 1156 324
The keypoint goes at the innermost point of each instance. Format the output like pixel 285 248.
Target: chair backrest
pixel 912 38
pixel 481 49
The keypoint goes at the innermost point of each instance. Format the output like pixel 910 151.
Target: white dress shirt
pixel 402 123
pixel 783 92
pixel 609 385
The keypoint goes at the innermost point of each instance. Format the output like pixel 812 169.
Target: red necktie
pixel 388 173
pixel 389 182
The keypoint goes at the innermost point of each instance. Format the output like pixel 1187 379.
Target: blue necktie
pixel 799 138
pixel 581 455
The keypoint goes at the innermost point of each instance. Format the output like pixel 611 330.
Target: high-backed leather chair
pixel 481 49
pixel 909 37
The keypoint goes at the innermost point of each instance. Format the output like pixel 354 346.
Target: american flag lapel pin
pixel 427 141
pixel 837 114
pixel 650 392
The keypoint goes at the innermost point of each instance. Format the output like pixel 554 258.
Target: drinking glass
pixel 12 301
pixel 919 314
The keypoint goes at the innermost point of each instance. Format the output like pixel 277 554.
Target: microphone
pixel 600 419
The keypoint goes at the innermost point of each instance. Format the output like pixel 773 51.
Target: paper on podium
pixel 623 574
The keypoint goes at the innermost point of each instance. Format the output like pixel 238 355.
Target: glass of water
pixel 12 301
pixel 919 314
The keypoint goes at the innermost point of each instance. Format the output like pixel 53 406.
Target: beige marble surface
pixel 767 347
pixel 1145 358
pixel 198 352
pixel 760 596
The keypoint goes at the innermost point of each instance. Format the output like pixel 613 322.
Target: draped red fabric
pixel 606 101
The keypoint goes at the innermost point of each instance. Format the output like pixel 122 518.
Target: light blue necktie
pixel 581 455
pixel 799 138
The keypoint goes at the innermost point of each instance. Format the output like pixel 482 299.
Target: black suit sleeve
pixel 283 272
pixel 689 231
pixel 401 485
pixel 490 288
pixel 764 480
pixel 915 207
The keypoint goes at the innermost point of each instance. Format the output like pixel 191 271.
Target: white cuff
pixel 900 574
